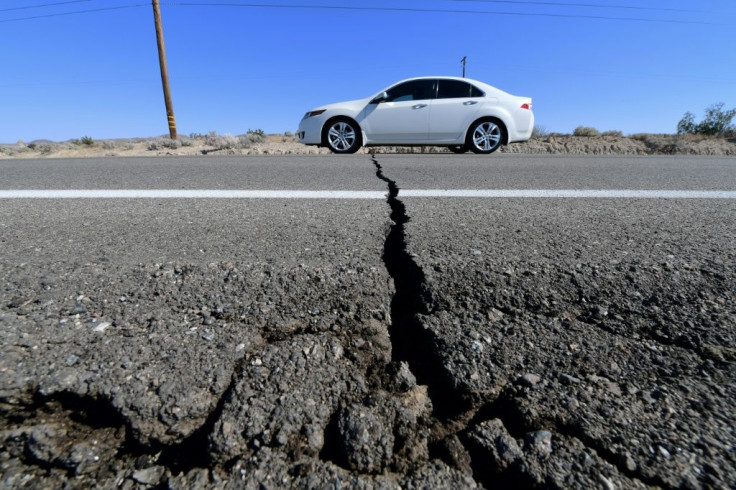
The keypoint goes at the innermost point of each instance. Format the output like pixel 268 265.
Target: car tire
pixel 342 135
pixel 485 136
pixel 458 149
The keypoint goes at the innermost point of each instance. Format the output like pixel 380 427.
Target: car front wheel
pixel 485 137
pixel 342 136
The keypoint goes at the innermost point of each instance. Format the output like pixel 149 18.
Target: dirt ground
pixel 287 144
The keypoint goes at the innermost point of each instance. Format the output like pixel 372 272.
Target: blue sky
pixel 236 68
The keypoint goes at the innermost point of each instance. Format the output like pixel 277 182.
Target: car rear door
pixel 402 118
pixel 453 110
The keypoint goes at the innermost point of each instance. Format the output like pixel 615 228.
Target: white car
pixel 459 113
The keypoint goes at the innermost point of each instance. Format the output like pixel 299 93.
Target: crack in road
pixel 453 415
pixel 413 343
pixel 461 416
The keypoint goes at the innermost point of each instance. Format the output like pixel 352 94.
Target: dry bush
pixel 161 143
pixel 225 142
pixel 249 139
pixel 585 131
pixel 230 142
pixel 540 132
pixel 46 147
pixel 614 133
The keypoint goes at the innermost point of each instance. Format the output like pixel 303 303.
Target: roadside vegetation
pixel 717 122
pixel 715 134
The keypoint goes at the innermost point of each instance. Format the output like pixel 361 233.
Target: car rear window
pixel 454 89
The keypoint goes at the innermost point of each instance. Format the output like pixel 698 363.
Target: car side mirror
pixel 380 98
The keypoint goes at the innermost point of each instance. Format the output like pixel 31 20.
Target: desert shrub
pixel 288 134
pixel 84 140
pixel 212 139
pixel 45 147
pixel 249 139
pixel 613 132
pixel 585 131
pixel 539 132
pixel 161 143
pixel 225 142
pixel 230 142
pixel 717 122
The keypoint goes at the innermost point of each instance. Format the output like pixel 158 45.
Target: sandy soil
pixel 212 144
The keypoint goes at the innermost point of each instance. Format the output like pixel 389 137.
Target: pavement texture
pixel 406 343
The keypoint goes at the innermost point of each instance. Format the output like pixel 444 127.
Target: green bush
pixel 87 141
pixel 717 122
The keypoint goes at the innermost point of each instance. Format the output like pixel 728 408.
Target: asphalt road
pixel 436 341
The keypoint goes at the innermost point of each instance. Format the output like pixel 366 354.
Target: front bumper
pixel 310 130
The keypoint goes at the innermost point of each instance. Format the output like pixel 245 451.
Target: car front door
pixel 453 110
pixel 403 116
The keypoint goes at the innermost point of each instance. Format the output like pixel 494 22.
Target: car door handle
pixel 419 106
pixel 470 102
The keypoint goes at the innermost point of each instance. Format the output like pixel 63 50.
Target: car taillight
pixel 527 106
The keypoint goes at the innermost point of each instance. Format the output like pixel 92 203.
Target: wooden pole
pixel 164 69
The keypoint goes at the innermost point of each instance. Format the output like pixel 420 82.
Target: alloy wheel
pixel 341 137
pixel 487 136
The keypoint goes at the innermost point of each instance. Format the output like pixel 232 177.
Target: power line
pixel 76 12
pixel 43 5
pixel 381 9
pixel 586 5
pixel 442 11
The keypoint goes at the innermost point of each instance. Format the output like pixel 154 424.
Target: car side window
pixel 413 90
pixel 455 89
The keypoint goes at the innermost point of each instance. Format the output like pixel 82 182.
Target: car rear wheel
pixel 458 149
pixel 485 137
pixel 342 136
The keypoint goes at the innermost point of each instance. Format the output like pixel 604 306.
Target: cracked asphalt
pixel 409 342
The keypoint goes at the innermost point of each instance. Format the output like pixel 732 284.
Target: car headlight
pixel 314 113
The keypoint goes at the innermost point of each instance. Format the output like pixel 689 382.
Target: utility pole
pixel 465 58
pixel 164 69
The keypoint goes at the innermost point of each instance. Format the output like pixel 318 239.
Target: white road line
pixel 569 193
pixel 187 194
pixel 346 194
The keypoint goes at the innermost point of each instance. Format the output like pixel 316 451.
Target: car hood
pixel 354 106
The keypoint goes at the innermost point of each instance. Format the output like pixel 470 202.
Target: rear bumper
pixel 524 126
